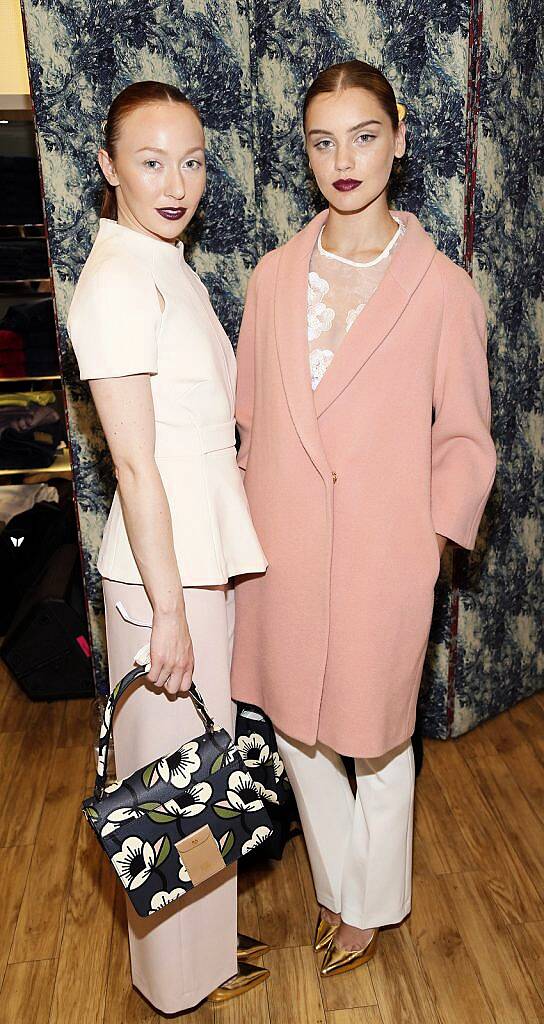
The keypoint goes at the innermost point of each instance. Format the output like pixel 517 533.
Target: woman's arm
pixel 245 359
pixel 463 454
pixel 125 408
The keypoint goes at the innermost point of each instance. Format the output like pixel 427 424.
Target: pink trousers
pixel 179 955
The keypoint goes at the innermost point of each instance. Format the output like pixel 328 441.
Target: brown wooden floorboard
pixel 471 951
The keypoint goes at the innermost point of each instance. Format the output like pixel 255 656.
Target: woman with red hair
pixel 162 375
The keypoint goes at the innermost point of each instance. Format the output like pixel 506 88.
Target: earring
pixel 401 111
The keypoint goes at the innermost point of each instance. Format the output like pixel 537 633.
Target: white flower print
pixel 178 767
pixel 352 316
pixel 253 749
pixel 101 761
pixel 183 874
pixel 242 792
pixel 106 721
pixel 278 766
pixel 320 360
pixel 192 801
pixel 113 786
pixel 116 818
pixel 259 836
pixel 266 794
pixel 230 754
pixel 320 316
pixel 134 862
pixel 162 899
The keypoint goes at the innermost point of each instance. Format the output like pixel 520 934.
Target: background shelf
pixel 61 465
pixel 29 380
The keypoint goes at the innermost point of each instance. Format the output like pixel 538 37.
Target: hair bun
pixel 402 111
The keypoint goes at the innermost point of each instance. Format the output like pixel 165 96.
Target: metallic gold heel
pixel 248 977
pixel 324 932
pixel 337 961
pixel 248 947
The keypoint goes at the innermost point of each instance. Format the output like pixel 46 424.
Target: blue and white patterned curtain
pixel 469 76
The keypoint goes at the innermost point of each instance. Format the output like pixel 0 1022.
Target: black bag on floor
pixel 26 545
pixel 47 648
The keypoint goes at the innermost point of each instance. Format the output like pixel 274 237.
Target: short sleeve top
pixel 115 323
pixel 117 329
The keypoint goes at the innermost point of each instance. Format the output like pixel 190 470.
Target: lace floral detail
pixel 338 291
pixel 317 288
pixel 353 314
pixel 320 316
pixel 320 360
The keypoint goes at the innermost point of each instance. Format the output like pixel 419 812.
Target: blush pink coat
pixel 348 486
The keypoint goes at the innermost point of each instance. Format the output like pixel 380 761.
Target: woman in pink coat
pixel 363 408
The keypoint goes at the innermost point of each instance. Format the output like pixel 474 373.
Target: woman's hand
pixel 172 659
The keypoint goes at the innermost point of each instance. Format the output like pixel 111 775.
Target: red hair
pixel 134 96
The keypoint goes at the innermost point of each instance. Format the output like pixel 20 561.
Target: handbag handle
pixel 107 721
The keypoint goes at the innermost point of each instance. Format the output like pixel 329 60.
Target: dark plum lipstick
pixel 346 184
pixel 172 212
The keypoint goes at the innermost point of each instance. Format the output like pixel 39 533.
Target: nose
pixel 344 157
pixel 175 184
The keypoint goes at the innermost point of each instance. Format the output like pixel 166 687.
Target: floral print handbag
pixel 256 741
pixel 179 819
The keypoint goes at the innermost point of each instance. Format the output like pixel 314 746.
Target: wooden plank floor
pixel 471 952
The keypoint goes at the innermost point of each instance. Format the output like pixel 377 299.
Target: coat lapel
pixel 409 262
pixel 291 331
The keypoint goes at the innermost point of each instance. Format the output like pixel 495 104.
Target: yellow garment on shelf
pixel 25 398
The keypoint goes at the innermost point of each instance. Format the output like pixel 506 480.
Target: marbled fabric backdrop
pixel 501 620
pixel 247 65
pixel 81 55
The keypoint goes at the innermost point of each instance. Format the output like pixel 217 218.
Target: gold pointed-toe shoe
pixel 249 947
pixel 337 961
pixel 248 977
pixel 323 933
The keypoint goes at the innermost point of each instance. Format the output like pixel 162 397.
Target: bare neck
pixel 359 236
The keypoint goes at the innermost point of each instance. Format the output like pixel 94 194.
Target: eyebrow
pixel 157 149
pixel 324 131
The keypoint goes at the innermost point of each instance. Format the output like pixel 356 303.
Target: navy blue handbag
pixel 180 819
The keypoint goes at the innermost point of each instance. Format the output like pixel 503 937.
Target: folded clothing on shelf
pixel 31 448
pixel 28 418
pixel 13 364
pixel 29 330
pixel 31 429
pixel 15 498
pixel 23 259
pixel 22 399
pixel 32 321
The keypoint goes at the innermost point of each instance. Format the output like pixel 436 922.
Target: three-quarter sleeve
pixel 114 320
pixel 245 359
pixel 463 453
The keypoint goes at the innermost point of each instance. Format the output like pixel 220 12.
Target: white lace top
pixel 338 290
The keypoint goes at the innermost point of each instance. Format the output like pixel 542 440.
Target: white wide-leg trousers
pixel 359 846
pixel 180 954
